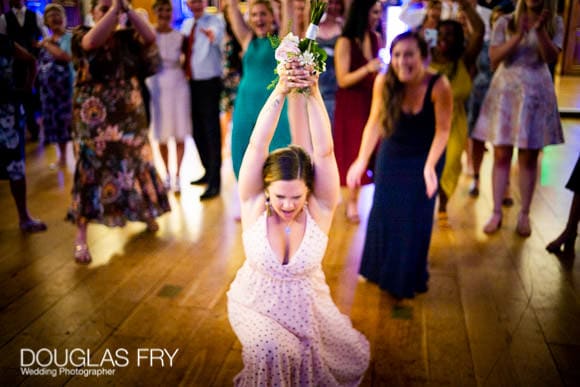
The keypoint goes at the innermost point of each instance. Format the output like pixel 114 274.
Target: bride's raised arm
pixel 250 179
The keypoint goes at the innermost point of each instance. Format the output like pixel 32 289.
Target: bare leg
pixel 165 156
pixel 502 156
pixel 528 171
pixel 180 150
pixel 477 150
pixel 164 151
pixel 62 154
pixel 27 223
pixel 352 206
pixel 81 253
pixel 469 156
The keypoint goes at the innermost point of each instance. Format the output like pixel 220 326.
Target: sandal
pixel 82 253
pixel 32 226
pixel 152 225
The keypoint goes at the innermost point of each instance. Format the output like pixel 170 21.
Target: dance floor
pixel 151 309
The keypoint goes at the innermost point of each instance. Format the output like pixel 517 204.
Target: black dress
pixel 573 183
pixel 401 217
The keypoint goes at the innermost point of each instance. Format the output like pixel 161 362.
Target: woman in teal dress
pixel 258 63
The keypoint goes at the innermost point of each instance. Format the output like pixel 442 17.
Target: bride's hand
pixel 295 76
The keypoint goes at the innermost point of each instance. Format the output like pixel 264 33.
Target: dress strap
pixel 427 98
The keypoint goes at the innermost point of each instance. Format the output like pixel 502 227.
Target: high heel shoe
pixel 82 254
pixel 523 227
pixel 564 240
pixel 493 224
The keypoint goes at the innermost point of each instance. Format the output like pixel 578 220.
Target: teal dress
pixel 258 64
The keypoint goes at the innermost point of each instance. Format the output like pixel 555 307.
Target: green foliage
pixel 317 8
pixel 274 40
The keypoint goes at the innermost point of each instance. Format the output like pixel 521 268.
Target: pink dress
pixel 520 108
pixel 291 331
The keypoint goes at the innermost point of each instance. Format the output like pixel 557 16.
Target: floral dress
pixel 55 79
pixel 11 121
pixel 115 179
pixel 520 108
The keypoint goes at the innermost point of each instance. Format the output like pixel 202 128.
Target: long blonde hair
pixel 522 8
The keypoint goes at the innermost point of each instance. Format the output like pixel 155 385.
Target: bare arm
pixel 250 178
pixel 24 57
pixel 98 35
pixel 442 97
pixel 475 42
pixel 50 45
pixel 498 53
pixel 370 137
pixel 548 50
pixel 143 28
pixel 298 121
pixel 344 77
pixel 241 30
pixel 326 180
pixel 286 9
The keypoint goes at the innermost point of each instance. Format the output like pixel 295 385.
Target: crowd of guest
pixel 111 86
pixel 466 75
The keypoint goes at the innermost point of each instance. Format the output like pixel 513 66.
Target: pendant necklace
pixel 287 244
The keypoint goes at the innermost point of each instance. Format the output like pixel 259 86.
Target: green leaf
pixel 274 40
pixel 317 8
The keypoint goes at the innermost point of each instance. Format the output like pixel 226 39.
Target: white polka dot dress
pixel 291 331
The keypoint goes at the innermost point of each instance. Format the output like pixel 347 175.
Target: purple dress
pixel 520 108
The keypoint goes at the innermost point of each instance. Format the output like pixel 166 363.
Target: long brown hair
pixel 394 88
pixel 288 163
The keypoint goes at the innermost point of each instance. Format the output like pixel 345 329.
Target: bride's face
pixel 287 198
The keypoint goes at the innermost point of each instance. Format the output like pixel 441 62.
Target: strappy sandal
pixel 32 225
pixel 82 253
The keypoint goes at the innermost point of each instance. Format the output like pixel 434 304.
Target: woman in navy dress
pixel 415 124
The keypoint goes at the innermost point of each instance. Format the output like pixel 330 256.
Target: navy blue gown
pixel 401 217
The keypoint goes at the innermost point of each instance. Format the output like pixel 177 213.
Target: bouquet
pixel 306 51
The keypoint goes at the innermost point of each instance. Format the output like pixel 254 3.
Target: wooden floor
pixel 500 310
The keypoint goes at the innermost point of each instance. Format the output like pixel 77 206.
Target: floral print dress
pixel 11 121
pixel 115 179
pixel 55 79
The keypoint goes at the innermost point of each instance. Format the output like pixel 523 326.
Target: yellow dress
pixel 461 87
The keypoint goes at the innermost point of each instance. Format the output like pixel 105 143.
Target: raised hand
pixel 294 76
pixel 523 25
pixel 541 21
